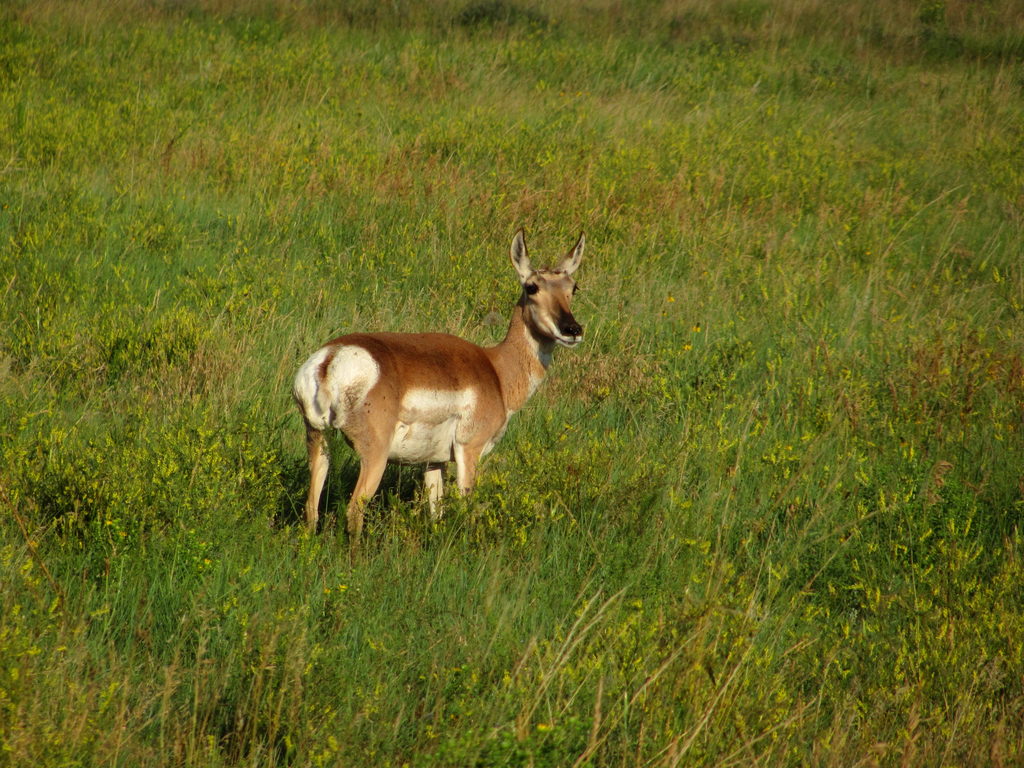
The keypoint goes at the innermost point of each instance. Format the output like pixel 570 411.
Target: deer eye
pixel 531 289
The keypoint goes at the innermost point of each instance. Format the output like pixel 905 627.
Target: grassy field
pixel 769 513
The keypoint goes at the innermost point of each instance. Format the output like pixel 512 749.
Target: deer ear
pixel 572 259
pixel 519 258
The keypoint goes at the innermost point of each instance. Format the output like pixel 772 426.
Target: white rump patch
pixel 350 374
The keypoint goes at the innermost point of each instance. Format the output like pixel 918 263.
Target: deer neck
pixel 520 361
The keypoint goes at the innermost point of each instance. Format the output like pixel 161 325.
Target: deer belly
pixel 429 423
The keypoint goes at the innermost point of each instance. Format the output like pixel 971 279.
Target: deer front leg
pixel 433 483
pixel 466 459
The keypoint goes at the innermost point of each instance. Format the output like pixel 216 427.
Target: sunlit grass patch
pixel 768 513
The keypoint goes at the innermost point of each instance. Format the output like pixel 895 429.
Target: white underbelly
pixel 429 423
pixel 419 443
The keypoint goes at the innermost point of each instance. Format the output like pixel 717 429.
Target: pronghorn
pixel 431 398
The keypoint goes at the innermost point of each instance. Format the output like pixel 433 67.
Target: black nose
pixel 571 328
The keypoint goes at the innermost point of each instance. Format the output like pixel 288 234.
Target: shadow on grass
pixel 400 485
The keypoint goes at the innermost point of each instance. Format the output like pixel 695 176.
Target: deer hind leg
pixel 319 461
pixel 371 470
pixel 433 482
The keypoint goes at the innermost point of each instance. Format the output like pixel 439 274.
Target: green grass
pixel 769 513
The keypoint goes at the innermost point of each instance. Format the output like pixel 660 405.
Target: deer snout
pixel 569 327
